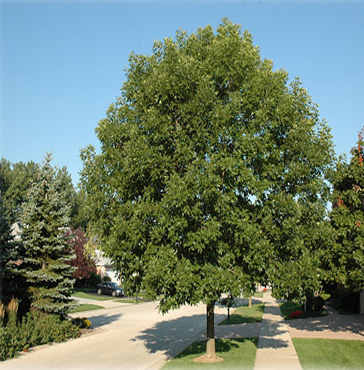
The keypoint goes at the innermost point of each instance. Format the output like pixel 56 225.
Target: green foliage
pixel 345 258
pixel 12 312
pixel 12 282
pixel 46 251
pixel 288 307
pixel 83 322
pixel 35 329
pixel 16 180
pixel 211 175
pixel 94 280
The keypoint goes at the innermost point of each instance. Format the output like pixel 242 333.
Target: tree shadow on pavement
pixel 172 336
pixel 102 320
pixel 272 335
pixel 333 322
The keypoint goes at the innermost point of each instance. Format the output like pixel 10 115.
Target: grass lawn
pixel 329 353
pixel 94 296
pixel 237 354
pixel 257 294
pixel 86 307
pixel 244 314
pixel 128 300
pixel 288 307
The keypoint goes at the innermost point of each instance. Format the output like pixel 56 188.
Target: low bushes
pixel 291 310
pixel 35 329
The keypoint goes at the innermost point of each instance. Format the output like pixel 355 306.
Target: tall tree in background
pixel 204 137
pixel 346 256
pixel 47 253
pixel 16 180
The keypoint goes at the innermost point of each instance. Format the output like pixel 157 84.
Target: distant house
pixel 104 267
pixel 16 232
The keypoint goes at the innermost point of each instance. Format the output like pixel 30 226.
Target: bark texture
pixel 210 343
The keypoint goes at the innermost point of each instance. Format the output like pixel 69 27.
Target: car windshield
pixel 114 285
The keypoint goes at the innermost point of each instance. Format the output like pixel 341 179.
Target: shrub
pixel 315 304
pixel 94 280
pixel 9 345
pixel 35 329
pixel 295 314
pixel 81 322
pixel 12 312
pixel 106 278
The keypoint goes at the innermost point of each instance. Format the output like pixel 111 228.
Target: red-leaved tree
pixel 84 264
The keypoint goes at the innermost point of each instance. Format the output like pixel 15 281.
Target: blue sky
pixel 63 62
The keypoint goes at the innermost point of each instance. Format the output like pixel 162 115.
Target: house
pixel 104 267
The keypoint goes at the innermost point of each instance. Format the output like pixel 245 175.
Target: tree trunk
pixel 210 344
pixel 250 302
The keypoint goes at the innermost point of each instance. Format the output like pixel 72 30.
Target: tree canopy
pixel 17 178
pixel 206 158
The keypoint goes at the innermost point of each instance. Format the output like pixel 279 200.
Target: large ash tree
pixel 204 135
pixel 47 254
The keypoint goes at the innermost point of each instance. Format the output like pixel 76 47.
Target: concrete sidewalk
pixel 275 347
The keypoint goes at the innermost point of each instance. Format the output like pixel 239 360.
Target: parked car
pixel 111 288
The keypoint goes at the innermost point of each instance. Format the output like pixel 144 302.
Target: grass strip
pixel 93 296
pixel 237 354
pixel 329 353
pixel 86 307
pixel 288 307
pixel 244 314
pixel 128 300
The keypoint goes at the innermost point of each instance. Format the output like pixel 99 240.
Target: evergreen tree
pixel 346 255
pixel 11 281
pixel 47 254
pixel 205 136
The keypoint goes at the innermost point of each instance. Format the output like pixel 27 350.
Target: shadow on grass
pixel 237 353
pixel 199 348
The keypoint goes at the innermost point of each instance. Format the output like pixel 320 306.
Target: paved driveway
pixel 127 337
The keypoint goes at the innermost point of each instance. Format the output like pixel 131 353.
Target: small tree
pixel 204 137
pixel 83 264
pixel 47 253
pixel 346 256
